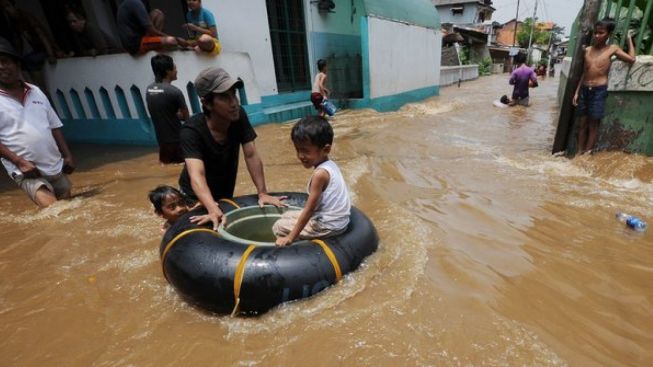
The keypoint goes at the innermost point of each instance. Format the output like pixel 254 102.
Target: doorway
pixel 289 48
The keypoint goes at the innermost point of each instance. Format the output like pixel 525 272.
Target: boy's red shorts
pixel 317 99
pixel 149 43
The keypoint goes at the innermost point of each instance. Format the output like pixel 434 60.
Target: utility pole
pixel 514 37
pixel 588 17
pixel 530 38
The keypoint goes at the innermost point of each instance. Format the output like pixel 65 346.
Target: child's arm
pixel 211 31
pixel 533 78
pixel 626 57
pixel 574 100
pixel 318 182
pixel 323 89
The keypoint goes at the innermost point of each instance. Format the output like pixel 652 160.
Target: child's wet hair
pixel 608 23
pixel 161 64
pixel 160 193
pixel 313 129
pixel 321 64
pixel 504 99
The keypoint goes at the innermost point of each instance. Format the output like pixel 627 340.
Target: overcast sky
pixel 562 12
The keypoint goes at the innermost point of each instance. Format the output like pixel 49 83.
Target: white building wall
pixel 124 70
pixel 452 74
pixel 243 27
pixel 402 57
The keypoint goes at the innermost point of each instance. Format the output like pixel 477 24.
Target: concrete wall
pixel 469 15
pixel 451 74
pixel 102 99
pixel 243 27
pixel 336 38
pixel 402 57
pixel 628 123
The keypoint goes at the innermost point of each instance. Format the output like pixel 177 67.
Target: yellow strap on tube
pixel 332 258
pixel 238 277
pixel 229 201
pixel 177 238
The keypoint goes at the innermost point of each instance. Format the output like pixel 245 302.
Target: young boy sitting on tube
pixel 328 206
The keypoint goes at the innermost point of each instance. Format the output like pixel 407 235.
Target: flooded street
pixel 492 253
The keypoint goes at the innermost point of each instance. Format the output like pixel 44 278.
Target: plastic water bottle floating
pixel 632 221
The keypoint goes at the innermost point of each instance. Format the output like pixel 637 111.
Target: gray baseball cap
pixel 7 49
pixel 215 80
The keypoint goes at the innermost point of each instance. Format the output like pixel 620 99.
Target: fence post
pixel 644 24
pixel 588 17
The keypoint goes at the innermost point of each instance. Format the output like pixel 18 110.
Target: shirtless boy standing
pixel 592 89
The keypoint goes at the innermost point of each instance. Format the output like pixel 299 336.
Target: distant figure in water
pixel 503 102
pixel 169 204
pixel 523 77
pixel 320 92
pixel 167 107
pixel 592 90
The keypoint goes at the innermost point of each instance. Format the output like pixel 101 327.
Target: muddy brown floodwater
pixel 493 253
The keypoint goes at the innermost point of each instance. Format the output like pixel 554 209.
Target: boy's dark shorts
pixel 317 99
pixel 170 153
pixel 591 102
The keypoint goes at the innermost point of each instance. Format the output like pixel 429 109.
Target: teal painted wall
pixel 113 131
pixel 344 19
pixel 417 12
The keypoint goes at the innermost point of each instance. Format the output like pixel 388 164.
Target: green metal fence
pixel 635 16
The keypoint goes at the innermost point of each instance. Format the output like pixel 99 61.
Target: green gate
pixel 289 49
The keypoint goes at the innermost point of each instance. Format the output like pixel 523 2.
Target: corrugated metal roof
pixel 417 12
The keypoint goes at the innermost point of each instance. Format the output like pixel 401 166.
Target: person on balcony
pixel 139 31
pixel 211 142
pixel 32 146
pixel 201 28
pixel 87 38
pixel 33 42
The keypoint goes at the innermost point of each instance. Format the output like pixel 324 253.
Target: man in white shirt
pixel 32 147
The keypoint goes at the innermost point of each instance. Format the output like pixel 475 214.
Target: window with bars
pixel 289 48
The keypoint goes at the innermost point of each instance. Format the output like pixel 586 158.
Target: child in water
pixel 328 206
pixel 320 92
pixel 169 204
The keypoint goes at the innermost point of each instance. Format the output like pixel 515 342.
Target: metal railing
pixel 635 15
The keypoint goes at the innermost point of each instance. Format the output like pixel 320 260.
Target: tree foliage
pixel 540 37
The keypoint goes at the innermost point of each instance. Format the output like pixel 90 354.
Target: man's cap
pixel 7 49
pixel 215 80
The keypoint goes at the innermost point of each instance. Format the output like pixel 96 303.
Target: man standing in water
pixel 210 145
pixel 523 77
pixel 592 90
pixel 33 149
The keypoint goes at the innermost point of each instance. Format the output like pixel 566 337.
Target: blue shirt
pixel 203 20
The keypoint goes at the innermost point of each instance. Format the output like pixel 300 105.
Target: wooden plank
pixel 589 15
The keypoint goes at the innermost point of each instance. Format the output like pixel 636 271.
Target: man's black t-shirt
pixel 220 160
pixel 164 100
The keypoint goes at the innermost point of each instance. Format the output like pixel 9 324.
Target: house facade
pixel 464 11
pixel 381 54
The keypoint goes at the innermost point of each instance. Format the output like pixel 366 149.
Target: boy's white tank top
pixel 334 206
